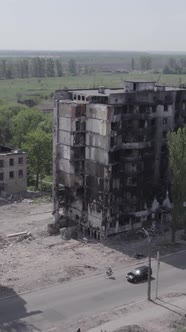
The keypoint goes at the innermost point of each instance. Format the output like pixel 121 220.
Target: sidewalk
pixel 153 316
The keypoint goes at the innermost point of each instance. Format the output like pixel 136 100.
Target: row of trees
pixel 36 67
pixel 175 66
pixel 54 67
pixel 40 67
pixel 177 161
pixel 145 63
pixel 31 130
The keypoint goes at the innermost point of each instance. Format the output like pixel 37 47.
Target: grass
pixel 43 199
pixel 10 89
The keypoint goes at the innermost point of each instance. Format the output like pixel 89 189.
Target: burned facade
pixel 110 153
pixel 13 171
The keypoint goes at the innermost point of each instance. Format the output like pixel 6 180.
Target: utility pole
pixel 55 193
pixel 149 267
pixel 157 276
pixel 149 274
pixel 94 79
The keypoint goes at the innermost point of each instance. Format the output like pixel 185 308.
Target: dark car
pixel 138 274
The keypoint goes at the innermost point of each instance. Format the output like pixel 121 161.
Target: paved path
pixel 50 307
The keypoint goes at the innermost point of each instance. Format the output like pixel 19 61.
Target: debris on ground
pixel 53 228
pixel 17 234
pixel 131 328
pixel 27 198
pixel 3 241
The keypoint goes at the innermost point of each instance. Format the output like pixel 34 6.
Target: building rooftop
pixel 130 86
pixel 4 149
pixel 139 81
pixel 95 92
pixel 7 150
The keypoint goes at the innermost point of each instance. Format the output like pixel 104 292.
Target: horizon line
pixel 90 50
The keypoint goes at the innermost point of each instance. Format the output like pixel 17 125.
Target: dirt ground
pixel 42 260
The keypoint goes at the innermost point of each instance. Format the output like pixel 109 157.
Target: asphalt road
pixel 44 309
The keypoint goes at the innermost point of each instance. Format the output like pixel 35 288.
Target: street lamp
pixel 149 267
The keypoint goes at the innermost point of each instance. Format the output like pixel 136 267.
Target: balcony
pixel 133 172
pixel 135 145
pixel 79 140
pixel 131 182
pixel 135 116
pixel 78 153
pixel 131 158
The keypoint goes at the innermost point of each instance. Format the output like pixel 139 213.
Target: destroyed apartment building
pixel 13 171
pixel 110 154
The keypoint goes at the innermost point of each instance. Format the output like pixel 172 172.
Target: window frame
pixel 10 162
pixel 10 175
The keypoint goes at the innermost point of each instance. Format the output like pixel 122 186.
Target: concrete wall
pixel 69 140
pixel 19 182
pixel 67 124
pixel 98 126
pixel 117 98
pixel 99 111
pixel 109 192
pixel 66 166
pixel 139 86
pixel 97 155
pixel 98 141
pixel 67 109
pixel 151 97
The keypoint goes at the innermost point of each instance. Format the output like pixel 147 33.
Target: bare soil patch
pixel 41 260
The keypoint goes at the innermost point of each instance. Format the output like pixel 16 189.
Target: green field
pixel 10 89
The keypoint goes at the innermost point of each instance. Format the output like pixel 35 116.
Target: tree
pixel 50 71
pixel 47 123
pixel 167 70
pixel 133 64
pixel 177 162
pixel 5 133
pixel 178 69
pixel 145 62
pixel 38 67
pixel 24 68
pixel 148 63
pixel 10 72
pixel 86 70
pixel 72 67
pixel 59 68
pixel 183 62
pixel 38 145
pixel 4 67
pixel 25 121
pixel 7 113
pixel 172 63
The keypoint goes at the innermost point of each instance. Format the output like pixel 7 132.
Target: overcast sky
pixel 158 25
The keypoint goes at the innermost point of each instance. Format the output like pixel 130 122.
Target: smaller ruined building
pixel 110 154
pixel 13 171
